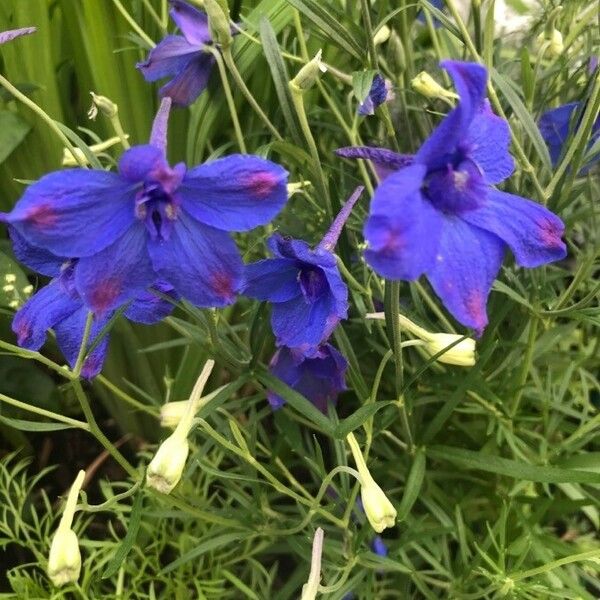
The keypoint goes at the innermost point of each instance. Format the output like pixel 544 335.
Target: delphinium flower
pixel 59 306
pixel 380 92
pixel 182 57
pixel 152 222
pixel 11 34
pixel 555 125
pixel 319 377
pixel 304 285
pixel 439 213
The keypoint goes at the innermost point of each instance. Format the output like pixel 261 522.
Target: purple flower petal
pixel 467 262
pixel 531 231
pixel 41 312
pixel 192 22
pixel 470 80
pixel 75 212
pixel 8 36
pixel 488 140
pixel 235 193
pixel 274 279
pixel 285 247
pixel 149 307
pixel 403 228
pixel 141 162
pixel 554 127
pixel 385 161
pixel 116 274
pixel 69 334
pixel 191 80
pixel 35 258
pixel 201 263
pixel 168 58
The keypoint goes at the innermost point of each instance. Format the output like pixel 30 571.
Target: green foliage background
pixel 498 491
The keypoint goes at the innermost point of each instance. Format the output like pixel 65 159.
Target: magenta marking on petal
pixel 475 305
pixel 261 184
pixel 222 284
pixel 551 233
pixel 102 297
pixel 42 216
pixel 22 329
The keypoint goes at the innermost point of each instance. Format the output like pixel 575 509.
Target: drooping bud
pixel 311 587
pixel 382 35
pixel 462 350
pixel 427 86
pixel 104 105
pixel 70 161
pixel 551 35
pixel 218 21
pixel 166 468
pixel 379 510
pixel 396 54
pixel 307 76
pixel 64 560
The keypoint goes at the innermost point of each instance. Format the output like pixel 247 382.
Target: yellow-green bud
pixel 307 76
pixel 104 105
pixel 166 468
pixel 395 53
pixel 64 560
pixel 69 160
pixel 427 86
pixel 382 35
pixel 218 21
pixel 461 354
pixel 311 587
pixel 379 510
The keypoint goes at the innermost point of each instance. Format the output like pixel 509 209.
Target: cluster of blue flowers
pixel 140 239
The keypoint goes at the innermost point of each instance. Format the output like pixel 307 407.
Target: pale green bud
pixel 427 86
pixel 64 560
pixel 104 105
pixel 166 468
pixel 69 160
pixel 218 21
pixel 307 76
pixel 382 35
pixel 461 354
pixel 379 510
pixel 311 587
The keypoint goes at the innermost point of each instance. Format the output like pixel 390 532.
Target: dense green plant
pixel 494 470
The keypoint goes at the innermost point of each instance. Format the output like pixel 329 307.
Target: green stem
pixel 229 98
pixel 116 123
pixel 83 346
pixel 32 355
pixel 366 15
pixel 227 56
pixel 44 413
pixel 97 432
pixel 45 117
pixel 133 24
pixel 526 366
pixel 127 398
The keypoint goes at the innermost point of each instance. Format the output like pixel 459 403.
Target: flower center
pixel 157 209
pixel 456 189
pixel 312 283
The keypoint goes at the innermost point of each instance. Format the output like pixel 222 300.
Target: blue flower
pixel 152 222
pixel 379 93
pixel 319 378
pixel 59 306
pixel 378 546
pixel 304 285
pixel 439 4
pixel 182 57
pixel 440 214
pixel 555 126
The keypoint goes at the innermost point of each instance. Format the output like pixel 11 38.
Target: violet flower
pixel 380 92
pixel 152 222
pixel 555 125
pixel 319 378
pixel 11 34
pixel 59 306
pixel 439 213
pixel 182 57
pixel 304 285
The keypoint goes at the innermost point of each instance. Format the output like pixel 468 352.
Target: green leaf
pixel 331 25
pixel 13 130
pixel 281 77
pixel 413 484
pixel 511 468
pixel 359 417
pixel 298 401
pixel 362 82
pixel 36 426
pixel 135 520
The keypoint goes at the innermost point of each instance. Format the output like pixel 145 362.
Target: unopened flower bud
pixel 461 354
pixel 382 35
pixel 64 560
pixel 104 105
pixel 218 21
pixel 166 468
pixel 70 161
pixel 379 510
pixel 427 86
pixel 308 74
pixel 395 53
pixel 311 587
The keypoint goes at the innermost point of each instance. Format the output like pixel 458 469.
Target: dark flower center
pixel 456 188
pixel 313 283
pixel 157 209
